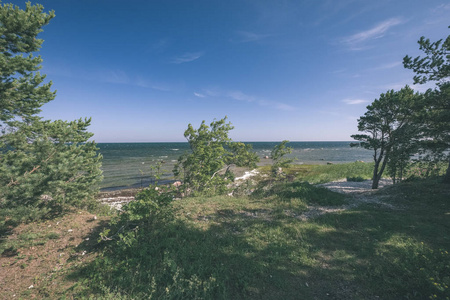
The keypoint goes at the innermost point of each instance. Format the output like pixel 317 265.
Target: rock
pixel 177 183
pixel 279 171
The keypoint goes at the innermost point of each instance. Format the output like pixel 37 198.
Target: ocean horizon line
pixel 233 141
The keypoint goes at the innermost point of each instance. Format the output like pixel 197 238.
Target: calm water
pixel 129 164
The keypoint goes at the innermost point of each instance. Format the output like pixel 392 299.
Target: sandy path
pixel 360 192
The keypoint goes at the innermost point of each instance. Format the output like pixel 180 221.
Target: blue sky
pixel 296 70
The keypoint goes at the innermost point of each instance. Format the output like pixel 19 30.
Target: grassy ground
pixel 244 247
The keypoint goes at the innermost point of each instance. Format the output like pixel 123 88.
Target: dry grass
pixel 37 255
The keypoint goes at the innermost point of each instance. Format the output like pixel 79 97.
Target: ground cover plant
pixel 260 248
pixel 325 173
pixel 246 247
pixel 263 243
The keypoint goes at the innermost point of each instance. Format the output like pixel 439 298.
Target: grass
pixel 315 174
pixel 257 247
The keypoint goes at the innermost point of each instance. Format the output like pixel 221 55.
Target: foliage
pixel 286 191
pixel 434 66
pixel 262 247
pixel 43 164
pixel 389 130
pixel 144 241
pixel 206 170
pixel 278 155
pixel 356 179
pixel 315 174
pixel 151 206
pixel 405 143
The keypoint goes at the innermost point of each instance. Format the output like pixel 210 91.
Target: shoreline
pixel 237 170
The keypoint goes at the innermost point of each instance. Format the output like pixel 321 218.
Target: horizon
pixel 185 142
pixel 290 70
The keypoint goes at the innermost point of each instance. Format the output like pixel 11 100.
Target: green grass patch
pixel 326 173
pixel 315 174
pixel 259 248
pixel 356 179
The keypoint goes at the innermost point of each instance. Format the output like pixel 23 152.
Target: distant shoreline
pixel 132 165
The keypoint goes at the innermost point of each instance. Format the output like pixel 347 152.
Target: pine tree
pixel 43 164
pixel 435 67
pixel 388 130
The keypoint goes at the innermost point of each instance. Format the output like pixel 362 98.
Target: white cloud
pixel 187 57
pixel 199 95
pixel 117 76
pixel 441 7
pixel 247 36
pixel 354 101
pixel 161 44
pixel 375 32
pixel 240 96
pixel 282 106
pixel 388 66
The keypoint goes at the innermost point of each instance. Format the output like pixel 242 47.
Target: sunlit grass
pixel 258 248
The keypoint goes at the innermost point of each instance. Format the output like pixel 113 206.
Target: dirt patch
pixel 42 253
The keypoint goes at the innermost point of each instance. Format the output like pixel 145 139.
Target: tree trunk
pixel 375 182
pixel 375 178
pixel 376 174
pixel 447 174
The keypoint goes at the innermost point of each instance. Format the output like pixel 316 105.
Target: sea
pixel 132 165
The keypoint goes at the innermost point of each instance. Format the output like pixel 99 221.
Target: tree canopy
pixel 435 111
pixel 206 170
pixel 387 125
pixel 43 164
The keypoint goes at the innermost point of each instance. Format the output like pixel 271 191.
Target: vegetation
pixel 435 111
pixel 401 124
pixel 286 239
pixel 44 165
pixel 390 132
pixel 254 247
pixel 278 157
pixel 206 170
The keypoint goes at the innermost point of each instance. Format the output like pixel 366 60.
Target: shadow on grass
pixel 12 217
pixel 366 253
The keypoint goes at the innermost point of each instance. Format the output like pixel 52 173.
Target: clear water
pixel 129 164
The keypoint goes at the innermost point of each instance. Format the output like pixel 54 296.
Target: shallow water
pixel 130 164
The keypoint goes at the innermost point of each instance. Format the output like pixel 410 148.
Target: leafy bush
pixel 278 155
pixel 151 206
pixel 207 169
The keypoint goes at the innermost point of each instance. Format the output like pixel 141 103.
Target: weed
pixel 356 179
pixel 53 236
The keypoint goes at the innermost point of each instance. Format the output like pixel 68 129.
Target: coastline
pixel 132 165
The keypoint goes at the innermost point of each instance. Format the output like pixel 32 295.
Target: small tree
pixel 435 66
pixel 206 170
pixel 405 143
pixel 43 164
pixel 384 122
pixel 278 156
